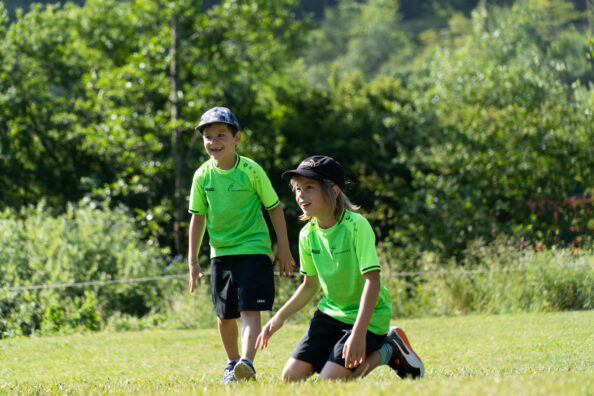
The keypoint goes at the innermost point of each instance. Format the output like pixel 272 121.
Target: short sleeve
pixel 198 203
pixel 263 187
pixel 365 247
pixel 305 259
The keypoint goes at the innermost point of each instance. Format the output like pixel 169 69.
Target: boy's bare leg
pixel 228 333
pixel 334 371
pixel 371 361
pixel 251 328
pixel 296 370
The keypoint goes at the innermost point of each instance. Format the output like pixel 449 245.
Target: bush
pixel 498 278
pixel 99 244
pixel 85 244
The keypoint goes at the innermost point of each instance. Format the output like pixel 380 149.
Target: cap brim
pixel 302 172
pixel 200 127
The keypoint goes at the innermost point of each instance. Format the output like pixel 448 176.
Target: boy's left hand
pixel 285 262
pixel 273 325
pixel 353 352
pixel 195 274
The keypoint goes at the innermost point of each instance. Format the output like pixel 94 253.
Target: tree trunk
pixel 176 140
pixel 590 11
pixel 483 5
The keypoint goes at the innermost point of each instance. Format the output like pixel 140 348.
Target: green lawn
pixel 527 354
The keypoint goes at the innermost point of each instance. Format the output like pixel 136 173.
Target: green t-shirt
pixel 339 256
pixel 232 202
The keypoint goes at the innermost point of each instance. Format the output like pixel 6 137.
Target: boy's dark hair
pixel 230 127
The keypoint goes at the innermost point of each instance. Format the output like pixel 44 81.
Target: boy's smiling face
pixel 220 143
pixel 312 200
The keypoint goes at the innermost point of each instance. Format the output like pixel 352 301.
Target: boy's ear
pixel 336 190
pixel 237 137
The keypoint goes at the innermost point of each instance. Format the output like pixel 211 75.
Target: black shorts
pixel 243 282
pixel 325 339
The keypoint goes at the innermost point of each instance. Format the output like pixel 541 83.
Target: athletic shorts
pixel 324 340
pixel 242 282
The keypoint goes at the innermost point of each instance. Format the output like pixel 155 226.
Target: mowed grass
pixel 519 354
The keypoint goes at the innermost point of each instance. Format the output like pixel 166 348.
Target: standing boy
pixel 227 195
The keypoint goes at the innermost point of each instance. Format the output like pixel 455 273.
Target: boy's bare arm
pixel 304 293
pixel 283 257
pixel 354 349
pixel 197 228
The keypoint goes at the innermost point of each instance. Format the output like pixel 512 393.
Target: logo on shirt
pixel 334 252
pixel 315 251
pixel 232 188
pixel 208 188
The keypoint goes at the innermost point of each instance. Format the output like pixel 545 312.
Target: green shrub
pixel 96 244
pixel 85 244
pixel 86 317
pixel 496 278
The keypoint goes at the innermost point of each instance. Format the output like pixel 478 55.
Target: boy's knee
pixel 287 376
pixel 250 316
pixel 294 377
pixel 296 372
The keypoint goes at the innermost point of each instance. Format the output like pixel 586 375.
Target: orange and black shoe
pixel 404 360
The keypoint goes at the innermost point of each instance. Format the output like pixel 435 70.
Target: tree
pixel 42 153
pixel 100 100
pixel 511 133
pixel 366 36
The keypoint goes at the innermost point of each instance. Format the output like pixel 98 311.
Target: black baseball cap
pixel 319 167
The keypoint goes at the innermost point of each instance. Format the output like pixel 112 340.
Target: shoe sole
pixel 412 359
pixel 243 372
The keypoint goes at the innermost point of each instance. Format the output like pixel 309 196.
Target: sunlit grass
pixel 533 354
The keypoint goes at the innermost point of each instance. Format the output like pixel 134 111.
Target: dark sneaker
pixel 404 360
pixel 244 370
pixel 228 375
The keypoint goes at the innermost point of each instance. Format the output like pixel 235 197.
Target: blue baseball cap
pixel 217 114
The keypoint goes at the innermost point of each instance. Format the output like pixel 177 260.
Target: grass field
pixel 520 354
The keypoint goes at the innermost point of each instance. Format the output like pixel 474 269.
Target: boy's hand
pixel 285 262
pixel 195 274
pixel 268 330
pixel 353 352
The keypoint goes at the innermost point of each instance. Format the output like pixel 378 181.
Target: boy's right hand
pixel 285 262
pixel 195 274
pixel 268 330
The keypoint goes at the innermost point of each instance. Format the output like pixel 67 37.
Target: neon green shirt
pixel 232 202
pixel 339 256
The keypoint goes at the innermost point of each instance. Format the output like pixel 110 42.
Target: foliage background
pixel 465 127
